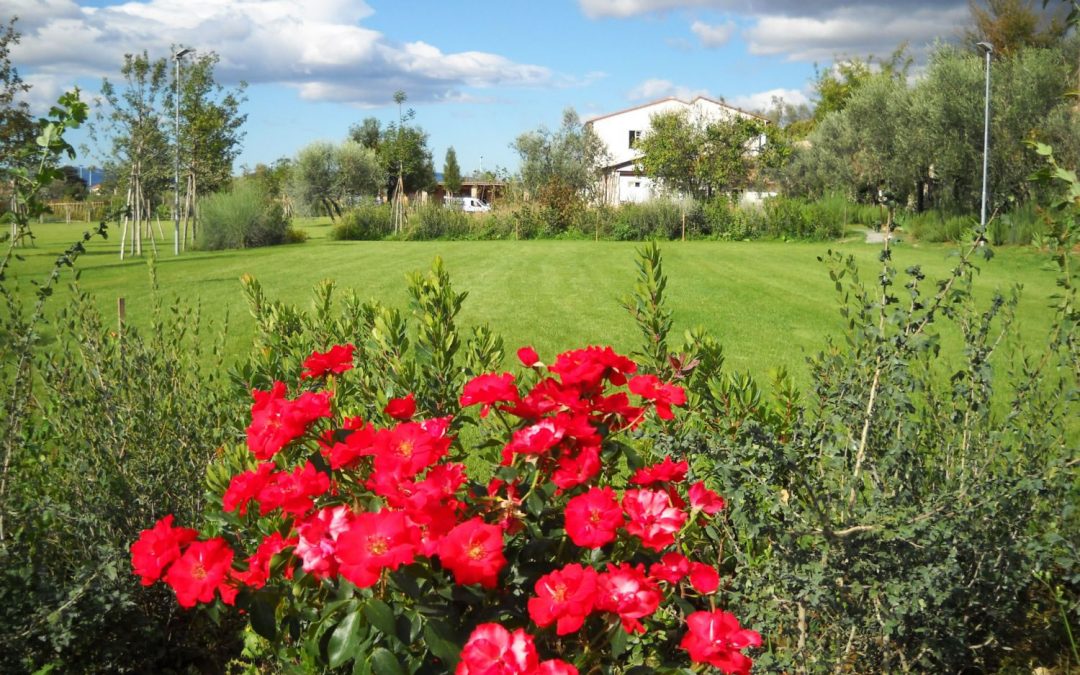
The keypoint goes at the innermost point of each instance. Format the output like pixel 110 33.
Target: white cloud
pixel 764 100
pixel 853 32
pixel 318 47
pixel 816 30
pixel 656 88
pixel 713 36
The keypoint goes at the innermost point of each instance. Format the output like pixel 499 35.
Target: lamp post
pixel 989 49
pixel 176 176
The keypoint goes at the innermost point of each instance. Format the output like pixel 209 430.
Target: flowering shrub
pixel 549 548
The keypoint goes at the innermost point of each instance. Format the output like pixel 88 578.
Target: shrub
pixel 435 221
pixel 295 236
pixel 937 226
pixel 242 217
pixel 368 222
pixel 726 220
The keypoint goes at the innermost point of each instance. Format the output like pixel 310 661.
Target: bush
pixel 435 221
pixel 242 217
pixel 368 222
pixel 937 226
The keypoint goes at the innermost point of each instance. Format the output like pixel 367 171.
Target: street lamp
pixel 989 49
pixel 176 176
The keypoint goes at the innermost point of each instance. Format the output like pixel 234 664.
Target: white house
pixel 620 130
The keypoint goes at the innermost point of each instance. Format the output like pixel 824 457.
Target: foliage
pixel 893 517
pixel 363 223
pixel 401 147
pixel 1011 25
pixel 16 124
pixel 242 217
pixel 326 178
pixel 451 172
pixel 563 165
pixel 702 157
pixel 95 428
pixel 923 143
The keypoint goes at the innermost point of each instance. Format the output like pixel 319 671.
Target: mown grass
pixel 770 303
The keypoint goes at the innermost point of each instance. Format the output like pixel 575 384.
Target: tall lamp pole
pixel 989 49
pixel 176 165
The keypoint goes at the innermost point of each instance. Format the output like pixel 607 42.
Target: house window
pixel 634 136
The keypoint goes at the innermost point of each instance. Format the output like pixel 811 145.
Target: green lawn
pixel 770 303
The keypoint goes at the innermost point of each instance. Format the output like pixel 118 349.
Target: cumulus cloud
pixel 810 31
pixel 853 32
pixel 765 100
pixel 320 48
pixel 713 36
pixel 656 88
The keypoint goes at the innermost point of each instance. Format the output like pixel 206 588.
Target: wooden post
pixel 684 225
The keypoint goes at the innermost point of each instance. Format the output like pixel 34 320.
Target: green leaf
pixel 618 642
pixel 384 662
pixel 344 640
pixel 442 643
pixel 380 615
pixel 263 621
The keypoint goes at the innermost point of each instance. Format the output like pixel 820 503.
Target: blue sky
pixel 477 73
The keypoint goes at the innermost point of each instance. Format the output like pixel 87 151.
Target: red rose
pixel 671 568
pixel 626 591
pixel 258 570
pixel 277 421
pixel 493 650
pixel 667 471
pixel 593 518
pixel 704 578
pixel 337 360
pixel 159 547
pixel 473 551
pixel 401 408
pixel 528 357
pixel 716 638
pixel 652 517
pixel 663 396
pixel 374 542
pixel 488 390
pixel 203 570
pixel 705 499
pixel 564 597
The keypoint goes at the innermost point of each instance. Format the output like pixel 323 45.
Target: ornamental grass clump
pixel 543 545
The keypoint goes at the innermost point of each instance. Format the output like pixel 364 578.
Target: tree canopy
pixel 570 156
pixel 451 171
pixel 16 124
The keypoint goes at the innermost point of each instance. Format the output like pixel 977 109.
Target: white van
pixel 468 204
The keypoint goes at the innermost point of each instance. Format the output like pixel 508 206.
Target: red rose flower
pixel 337 360
pixel 626 591
pixel 564 597
pixel 493 650
pixel 587 367
pixel 319 534
pixel 593 518
pixel 577 469
pixel 246 486
pixel 534 439
pixel 159 547
pixel 667 471
pixel 663 396
pixel 488 390
pixel 346 454
pixel 473 551
pixel 652 517
pixel 401 408
pixel 671 568
pixel 277 421
pixel 406 450
pixel 528 357
pixel 705 499
pixel 715 638
pixel 704 578
pixel 201 572
pixel 258 570
pixel 293 492
pixel 374 542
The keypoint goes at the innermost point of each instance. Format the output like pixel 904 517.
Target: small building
pixel 619 131
pixel 486 190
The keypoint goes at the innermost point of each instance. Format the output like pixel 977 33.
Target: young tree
pixel 1011 25
pixel 328 178
pixel 136 122
pixel 368 133
pixel 451 172
pixel 211 132
pixel 701 157
pixel 16 125
pixel 570 157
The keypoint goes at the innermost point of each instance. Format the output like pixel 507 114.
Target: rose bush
pixel 542 545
